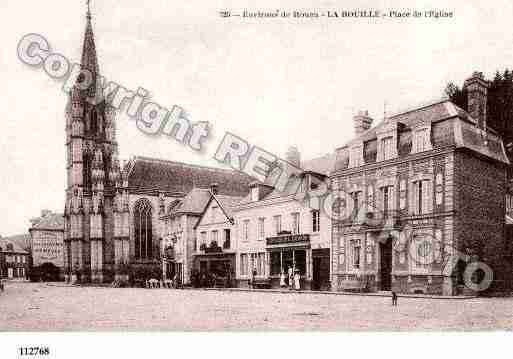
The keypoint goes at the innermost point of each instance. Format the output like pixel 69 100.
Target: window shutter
pixel 402 194
pixel 415 197
pixel 427 195
pixel 391 198
pixel 349 205
pixel 370 199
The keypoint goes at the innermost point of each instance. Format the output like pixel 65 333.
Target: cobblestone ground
pixel 34 306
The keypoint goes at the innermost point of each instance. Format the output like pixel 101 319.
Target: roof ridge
pixel 419 106
pixel 161 160
pixel 406 110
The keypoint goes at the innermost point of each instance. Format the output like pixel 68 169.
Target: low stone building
pixel 415 191
pixel 47 239
pixel 14 260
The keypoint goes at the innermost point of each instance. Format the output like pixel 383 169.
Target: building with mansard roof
pixel 111 215
pixel 419 187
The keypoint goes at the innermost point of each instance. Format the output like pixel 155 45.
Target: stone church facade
pixel 111 225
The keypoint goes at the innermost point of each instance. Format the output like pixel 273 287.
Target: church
pixel 111 212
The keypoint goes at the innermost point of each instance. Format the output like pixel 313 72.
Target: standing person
pixel 297 277
pixel 254 276
pixel 394 298
pixel 282 279
pixel 291 277
pixel 251 279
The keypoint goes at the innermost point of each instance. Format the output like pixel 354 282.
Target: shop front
pixel 214 268
pixel 172 268
pixel 289 251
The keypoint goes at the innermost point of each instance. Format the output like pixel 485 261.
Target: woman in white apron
pixel 297 277
pixel 282 279
pixel 291 277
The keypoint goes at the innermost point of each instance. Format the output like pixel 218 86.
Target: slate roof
pixel 193 203
pixel 323 165
pixel 52 221
pixel 450 126
pixel 22 240
pixel 150 174
pixel 16 248
pixel 433 112
pixel 228 202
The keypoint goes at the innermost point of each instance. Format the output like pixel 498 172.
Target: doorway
pixel 385 250
pixel 320 269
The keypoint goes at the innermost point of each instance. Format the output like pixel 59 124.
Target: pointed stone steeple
pixel 89 59
pixel 92 171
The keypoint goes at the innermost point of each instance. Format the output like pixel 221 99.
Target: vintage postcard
pixel 280 166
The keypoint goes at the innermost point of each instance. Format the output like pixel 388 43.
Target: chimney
pixel 362 122
pixel 293 156
pixel 477 92
pixel 214 188
pixel 45 212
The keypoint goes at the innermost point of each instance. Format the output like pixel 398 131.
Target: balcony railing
pixel 375 219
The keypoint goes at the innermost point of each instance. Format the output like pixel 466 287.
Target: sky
pixel 273 82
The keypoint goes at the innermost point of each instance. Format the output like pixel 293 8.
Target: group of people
pixel 293 277
pixel 210 280
pixel 166 283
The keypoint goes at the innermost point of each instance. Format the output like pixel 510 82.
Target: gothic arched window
pixel 87 170
pixel 107 163
pixel 94 122
pixel 142 230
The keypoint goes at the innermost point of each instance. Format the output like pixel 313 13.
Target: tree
pixel 499 106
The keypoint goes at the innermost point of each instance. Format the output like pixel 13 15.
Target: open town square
pixel 58 307
pixel 184 174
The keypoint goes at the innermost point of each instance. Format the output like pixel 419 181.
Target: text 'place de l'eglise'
pixel 436 177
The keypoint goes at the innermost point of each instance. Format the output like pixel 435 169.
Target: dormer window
pixel 356 157
pixel 254 194
pixel 387 148
pixel 421 141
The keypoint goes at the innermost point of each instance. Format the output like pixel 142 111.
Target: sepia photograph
pixel 211 172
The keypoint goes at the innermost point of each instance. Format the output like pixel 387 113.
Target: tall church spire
pixel 88 14
pixel 89 58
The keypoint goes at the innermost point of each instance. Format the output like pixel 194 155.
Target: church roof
pixel 154 175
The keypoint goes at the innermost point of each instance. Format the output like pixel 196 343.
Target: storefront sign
pixel 289 238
